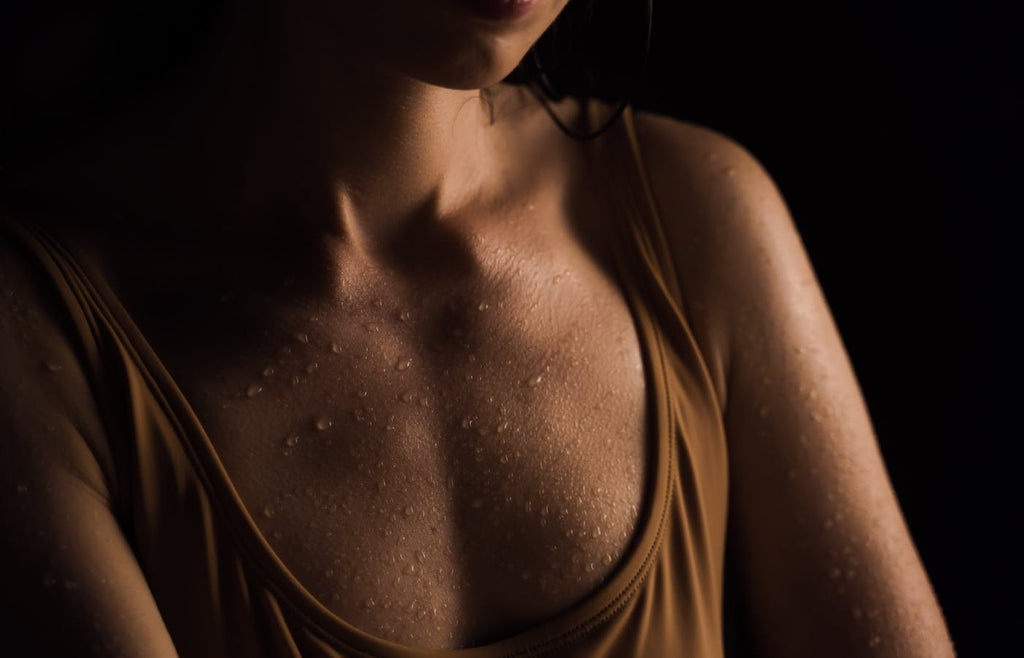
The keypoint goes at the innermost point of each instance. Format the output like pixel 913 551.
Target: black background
pixel 893 133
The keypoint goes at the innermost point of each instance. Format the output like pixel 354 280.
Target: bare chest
pixel 445 465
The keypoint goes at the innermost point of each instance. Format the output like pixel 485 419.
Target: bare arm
pixel 71 585
pixel 824 557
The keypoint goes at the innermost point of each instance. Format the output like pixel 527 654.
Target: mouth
pixel 499 10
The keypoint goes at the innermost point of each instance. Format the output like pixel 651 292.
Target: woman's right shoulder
pixel 49 422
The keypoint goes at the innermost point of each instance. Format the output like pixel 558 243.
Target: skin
pixel 456 261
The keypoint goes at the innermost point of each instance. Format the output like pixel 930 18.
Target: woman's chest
pixel 444 465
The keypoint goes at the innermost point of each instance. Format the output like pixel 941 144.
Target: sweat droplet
pixel 403 364
pixel 268 511
pixel 50 366
pixel 407 511
pixel 407 397
pixel 292 441
pixel 483 306
pixel 404 315
pixel 302 337
pixel 322 423
pixel 311 368
pixel 253 391
pixel 268 371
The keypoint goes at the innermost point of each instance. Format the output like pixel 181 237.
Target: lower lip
pixel 499 10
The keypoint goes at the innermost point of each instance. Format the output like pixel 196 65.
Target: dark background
pixel 893 132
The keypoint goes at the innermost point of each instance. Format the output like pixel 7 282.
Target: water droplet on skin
pixel 269 371
pixel 500 429
pixel 362 394
pixel 483 306
pixel 329 573
pixel 421 556
pixel 335 348
pixel 404 315
pixel 292 441
pixel 50 366
pixel 407 397
pixel 268 510
pixel 286 349
pixel 407 511
pixel 535 381
pixel 504 459
pixel 369 603
pixel 322 423
pixel 253 390
pixel 403 364
pixel 296 380
pixel 302 337
pixel 410 570
pixel 311 368
pixel 468 422
pixel 607 559
pixel 544 511
pixel 590 567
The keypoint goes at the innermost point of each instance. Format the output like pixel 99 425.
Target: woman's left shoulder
pixel 730 234
pixel 696 168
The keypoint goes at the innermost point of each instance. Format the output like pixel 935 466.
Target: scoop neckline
pixel 595 609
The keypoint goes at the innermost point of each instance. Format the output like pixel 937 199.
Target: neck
pixel 288 128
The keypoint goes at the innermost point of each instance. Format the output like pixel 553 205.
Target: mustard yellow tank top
pixel 223 592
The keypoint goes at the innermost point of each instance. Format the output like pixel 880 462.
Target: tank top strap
pixel 91 337
pixel 625 177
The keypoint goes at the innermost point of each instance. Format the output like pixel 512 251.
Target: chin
pixel 471 66
pixel 445 44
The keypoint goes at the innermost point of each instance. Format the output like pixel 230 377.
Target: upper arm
pixel 71 584
pixel 823 554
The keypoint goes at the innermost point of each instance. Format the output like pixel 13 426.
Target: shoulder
pixel 48 419
pixel 731 235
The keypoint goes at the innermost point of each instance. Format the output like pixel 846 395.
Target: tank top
pixel 223 592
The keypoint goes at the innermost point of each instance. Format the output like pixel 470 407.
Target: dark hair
pixel 593 50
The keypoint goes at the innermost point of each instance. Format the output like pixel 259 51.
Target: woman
pixel 342 347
